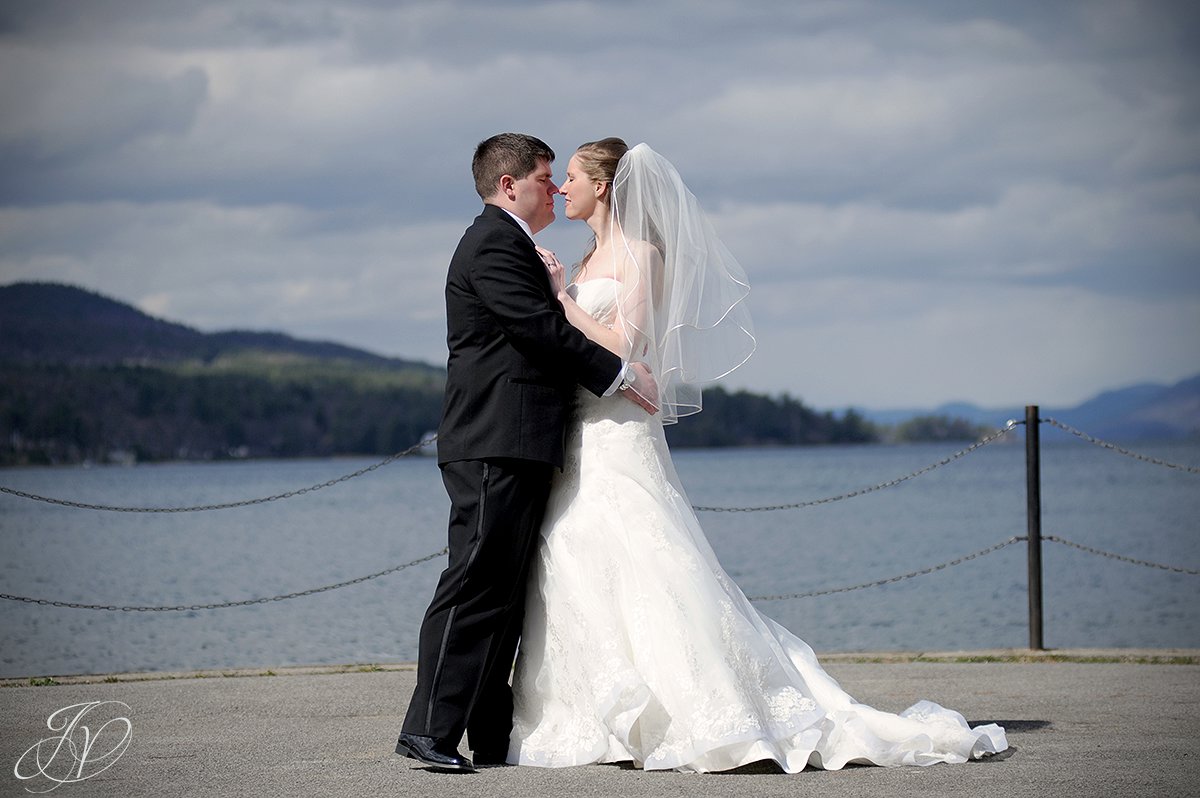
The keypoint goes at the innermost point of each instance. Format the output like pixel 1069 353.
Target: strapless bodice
pixel 598 297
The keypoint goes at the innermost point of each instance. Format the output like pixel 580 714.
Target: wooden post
pixel 1033 493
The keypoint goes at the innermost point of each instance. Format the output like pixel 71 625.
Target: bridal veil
pixel 682 303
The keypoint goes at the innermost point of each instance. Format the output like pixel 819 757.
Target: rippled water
pixel 397 514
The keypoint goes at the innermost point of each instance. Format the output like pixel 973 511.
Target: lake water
pixel 397 514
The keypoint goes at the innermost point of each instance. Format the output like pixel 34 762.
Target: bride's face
pixel 579 192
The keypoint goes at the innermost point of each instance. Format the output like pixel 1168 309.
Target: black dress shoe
pixel 426 750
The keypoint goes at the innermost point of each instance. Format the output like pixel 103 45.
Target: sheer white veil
pixel 682 303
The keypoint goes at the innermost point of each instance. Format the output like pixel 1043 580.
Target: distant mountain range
pixel 1144 411
pixel 87 378
pixel 54 323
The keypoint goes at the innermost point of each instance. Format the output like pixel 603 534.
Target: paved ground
pixel 1076 727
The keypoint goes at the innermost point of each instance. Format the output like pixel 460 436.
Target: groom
pixel 513 369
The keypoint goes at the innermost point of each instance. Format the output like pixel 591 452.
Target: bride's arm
pixel 625 336
pixel 611 338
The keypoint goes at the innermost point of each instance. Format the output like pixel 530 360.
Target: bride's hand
pixel 557 272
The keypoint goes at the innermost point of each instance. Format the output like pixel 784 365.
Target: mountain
pixel 1147 411
pixel 84 377
pixel 54 323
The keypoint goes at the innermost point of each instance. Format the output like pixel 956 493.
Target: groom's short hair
pixel 513 154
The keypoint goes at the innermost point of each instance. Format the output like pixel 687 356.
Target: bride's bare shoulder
pixel 644 252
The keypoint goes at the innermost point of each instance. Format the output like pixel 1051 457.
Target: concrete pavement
pixel 1080 723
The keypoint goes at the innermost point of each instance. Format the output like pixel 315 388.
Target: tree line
pixel 55 414
pixel 59 414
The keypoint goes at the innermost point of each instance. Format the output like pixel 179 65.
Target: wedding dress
pixel 638 647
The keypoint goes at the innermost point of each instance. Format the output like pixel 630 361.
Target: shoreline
pixel 1127 656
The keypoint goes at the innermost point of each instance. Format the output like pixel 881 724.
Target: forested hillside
pixel 83 377
pixel 86 378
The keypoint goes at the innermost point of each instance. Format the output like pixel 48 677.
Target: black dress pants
pixel 470 632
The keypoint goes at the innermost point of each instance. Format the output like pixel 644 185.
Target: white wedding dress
pixel 638 647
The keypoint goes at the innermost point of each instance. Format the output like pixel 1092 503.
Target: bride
pixel 637 646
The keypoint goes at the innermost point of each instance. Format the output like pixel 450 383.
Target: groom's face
pixel 534 200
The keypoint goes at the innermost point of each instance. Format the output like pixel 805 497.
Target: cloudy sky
pixel 990 201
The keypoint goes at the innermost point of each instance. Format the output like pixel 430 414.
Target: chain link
pixel 1112 446
pixel 289 494
pixel 776 597
pixel 225 604
pixel 201 507
pixel 1121 557
pixel 1007 428
pixel 890 580
pixel 779 597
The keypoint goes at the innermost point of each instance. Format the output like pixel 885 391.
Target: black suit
pixel 512 373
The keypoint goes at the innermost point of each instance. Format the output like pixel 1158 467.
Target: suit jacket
pixel 515 362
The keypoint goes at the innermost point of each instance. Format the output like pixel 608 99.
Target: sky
pixel 994 202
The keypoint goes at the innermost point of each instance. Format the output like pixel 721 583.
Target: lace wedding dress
pixel 638 647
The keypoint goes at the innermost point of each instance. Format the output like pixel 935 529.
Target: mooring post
pixel 1033 494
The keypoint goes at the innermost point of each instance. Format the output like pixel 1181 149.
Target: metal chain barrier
pixel 224 604
pixel 201 507
pixel 1113 447
pixel 776 597
pixel 1012 424
pixel 890 580
pixel 1121 557
pixel 1007 428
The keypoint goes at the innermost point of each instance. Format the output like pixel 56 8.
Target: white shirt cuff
pixel 617 382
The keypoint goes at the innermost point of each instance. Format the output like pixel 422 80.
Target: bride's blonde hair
pixel 599 160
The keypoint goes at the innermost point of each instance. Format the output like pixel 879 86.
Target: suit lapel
pixel 526 247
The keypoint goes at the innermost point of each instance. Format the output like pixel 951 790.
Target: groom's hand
pixel 644 390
